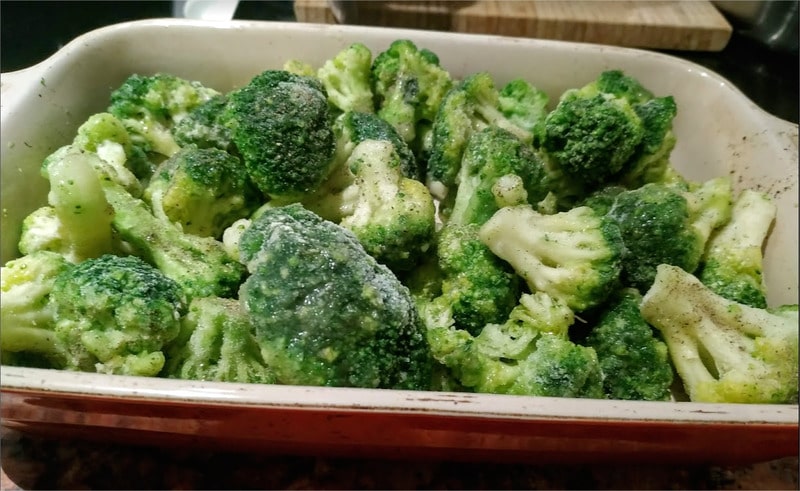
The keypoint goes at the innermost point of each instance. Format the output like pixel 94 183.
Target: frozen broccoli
pixel 635 362
pixel 723 351
pixel 664 224
pixel 408 84
pixel 525 106
pixel 347 79
pixel 650 162
pixel 217 342
pixel 732 263
pixel 574 256
pixel 204 190
pixel 149 106
pixel 206 126
pixel 282 130
pixel 325 312
pixel 528 354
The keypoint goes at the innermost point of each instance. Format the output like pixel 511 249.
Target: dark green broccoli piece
pixel 325 312
pixel 217 342
pixel 601 200
pixel 650 162
pixel 149 106
pixel 473 287
pixel 282 130
pixel 497 169
pixel 634 360
pixel 723 351
pixel 115 314
pixel 525 106
pixel 471 105
pixel 347 78
pixel 616 83
pixel 527 354
pixel 574 256
pixel 733 260
pixel 206 126
pixel 204 190
pixel 663 224
pixel 409 85
pixel 200 265
pixel 26 313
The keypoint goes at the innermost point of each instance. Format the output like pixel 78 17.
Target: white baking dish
pixel 719 132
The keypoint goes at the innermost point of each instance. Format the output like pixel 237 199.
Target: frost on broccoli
pixel 217 342
pixel 281 128
pixel 635 362
pixel 733 260
pixel 527 354
pixel 206 126
pixel 409 85
pixel 204 190
pixel 325 312
pixel 723 351
pixel 347 78
pixel 574 256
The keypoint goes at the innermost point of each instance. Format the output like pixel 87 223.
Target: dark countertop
pixel 31 31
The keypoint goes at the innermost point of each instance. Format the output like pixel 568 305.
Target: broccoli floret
pixel 77 221
pixel 282 130
pixel 664 224
pixel 26 313
pixel 233 234
pixel 471 105
pixel 347 79
pixel 204 190
pixel 723 351
pixel 601 200
pixel 635 362
pixel 525 106
pixel 149 106
pixel 299 67
pixel 733 260
pixel 408 84
pixel 650 162
pixel 116 314
pixel 217 342
pixel 574 256
pixel 206 126
pixel 200 265
pixel 325 312
pixel 591 135
pixel 528 354
pixel 497 169
pixel 475 287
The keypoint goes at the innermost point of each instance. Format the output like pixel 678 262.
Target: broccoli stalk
pixel 574 256
pixel 722 350
pixel 733 259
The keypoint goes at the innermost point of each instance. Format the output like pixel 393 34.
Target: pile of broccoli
pixel 377 222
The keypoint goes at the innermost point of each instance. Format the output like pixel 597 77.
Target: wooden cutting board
pixel 678 25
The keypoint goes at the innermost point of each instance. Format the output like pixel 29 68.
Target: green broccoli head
pixel 204 190
pixel 26 313
pixel 282 130
pixel 664 224
pixel 733 259
pixel 575 255
pixel 325 312
pixel 477 288
pixel 217 342
pixel 149 106
pixel 497 169
pixel 618 84
pixel 650 162
pixel 200 265
pixel 347 78
pixel 634 360
pixel 528 354
pixel 723 351
pixel 116 314
pixel 393 217
pixel 525 106
pixel 409 85
pixel 471 105
pixel 206 126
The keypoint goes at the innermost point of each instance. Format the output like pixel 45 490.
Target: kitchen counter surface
pixel 28 462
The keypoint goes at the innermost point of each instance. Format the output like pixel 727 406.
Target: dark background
pixel 33 30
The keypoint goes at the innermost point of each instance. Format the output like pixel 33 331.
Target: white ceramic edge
pixel 476 405
pixel 383 400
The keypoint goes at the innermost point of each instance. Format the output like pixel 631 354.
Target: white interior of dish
pixel 719 130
